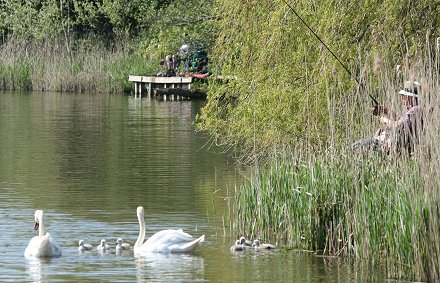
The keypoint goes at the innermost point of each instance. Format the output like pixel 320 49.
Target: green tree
pixel 151 22
pixel 127 18
pixel 179 22
pixel 286 85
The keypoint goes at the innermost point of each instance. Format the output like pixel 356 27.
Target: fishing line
pixel 331 52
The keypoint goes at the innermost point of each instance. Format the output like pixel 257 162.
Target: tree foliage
pixel 146 21
pixel 286 87
pixel 182 21
pixel 45 43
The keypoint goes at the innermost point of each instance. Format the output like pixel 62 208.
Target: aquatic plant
pixel 371 205
pixel 89 68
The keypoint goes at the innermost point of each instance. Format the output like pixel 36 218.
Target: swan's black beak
pixel 37 225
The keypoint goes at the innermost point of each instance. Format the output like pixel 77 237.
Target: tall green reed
pixel 52 67
pixel 383 208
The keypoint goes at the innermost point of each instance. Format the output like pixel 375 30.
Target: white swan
pixel 42 245
pixel 83 246
pixel 103 247
pixel 121 246
pixel 165 241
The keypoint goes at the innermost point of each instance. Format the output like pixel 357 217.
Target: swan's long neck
pixel 40 225
pixel 141 237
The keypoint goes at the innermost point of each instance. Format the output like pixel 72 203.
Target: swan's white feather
pixel 103 247
pixel 121 246
pixel 82 246
pixel 165 241
pixel 42 245
pixel 171 241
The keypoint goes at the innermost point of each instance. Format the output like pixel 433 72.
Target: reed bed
pixel 369 205
pixel 87 67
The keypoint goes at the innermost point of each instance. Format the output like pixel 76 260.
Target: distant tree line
pixel 93 45
pixel 142 21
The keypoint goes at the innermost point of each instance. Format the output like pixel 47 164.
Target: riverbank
pixel 373 206
pixel 87 69
pixel 367 208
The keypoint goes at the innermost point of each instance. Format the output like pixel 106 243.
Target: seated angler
pixel 397 133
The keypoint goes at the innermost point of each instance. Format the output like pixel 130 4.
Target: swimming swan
pixel 263 246
pixel 103 247
pixel 42 245
pixel 83 246
pixel 245 242
pixel 165 241
pixel 121 246
pixel 237 247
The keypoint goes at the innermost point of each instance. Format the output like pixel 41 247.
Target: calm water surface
pixel 89 160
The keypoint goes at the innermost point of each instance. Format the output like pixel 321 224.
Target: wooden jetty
pixel 145 85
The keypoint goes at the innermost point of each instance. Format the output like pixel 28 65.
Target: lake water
pixel 89 160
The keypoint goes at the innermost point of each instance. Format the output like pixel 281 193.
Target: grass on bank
pixel 373 206
pixel 53 67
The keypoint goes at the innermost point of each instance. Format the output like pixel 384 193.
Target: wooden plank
pixel 160 80
pixel 134 78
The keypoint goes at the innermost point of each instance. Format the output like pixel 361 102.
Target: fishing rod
pixel 376 103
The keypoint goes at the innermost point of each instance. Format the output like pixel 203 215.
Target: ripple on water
pixel 89 160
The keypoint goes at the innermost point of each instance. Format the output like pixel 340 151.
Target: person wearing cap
pixel 396 133
pixel 407 126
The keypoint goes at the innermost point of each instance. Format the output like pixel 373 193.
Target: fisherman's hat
pixel 411 88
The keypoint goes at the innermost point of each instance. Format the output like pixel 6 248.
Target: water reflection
pixel 89 160
pixel 170 267
pixel 36 269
